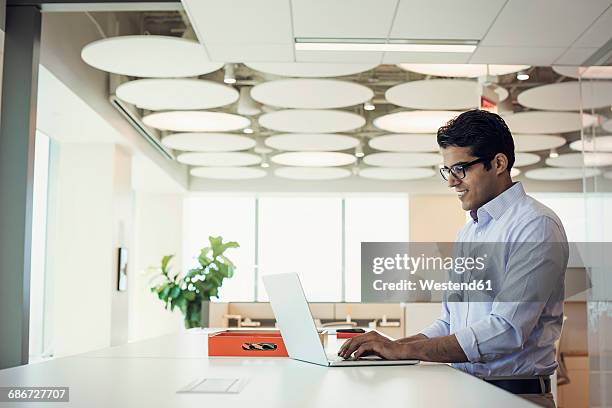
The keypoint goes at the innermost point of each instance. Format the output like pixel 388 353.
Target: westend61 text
pixel 430 284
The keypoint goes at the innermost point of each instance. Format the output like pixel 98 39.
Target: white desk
pixel 148 374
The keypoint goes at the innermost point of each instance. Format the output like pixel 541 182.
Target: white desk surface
pixel 148 374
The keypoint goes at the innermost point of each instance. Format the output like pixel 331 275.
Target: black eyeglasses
pixel 458 170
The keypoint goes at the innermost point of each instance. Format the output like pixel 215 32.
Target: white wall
pixel 123 212
pixel 158 232
pixel 79 259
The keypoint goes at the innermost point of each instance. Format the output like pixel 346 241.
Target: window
pixel 317 237
pixel 302 235
pixel 371 219
pixel 233 218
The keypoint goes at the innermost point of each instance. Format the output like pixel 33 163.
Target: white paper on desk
pixel 214 386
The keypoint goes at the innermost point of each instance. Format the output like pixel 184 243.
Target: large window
pixel 318 237
pixel 302 235
pixel 370 219
pixel 233 218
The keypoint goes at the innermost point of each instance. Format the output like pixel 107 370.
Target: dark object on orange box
pixel 247 343
pixel 348 333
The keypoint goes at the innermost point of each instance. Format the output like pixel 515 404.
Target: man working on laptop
pixel 508 343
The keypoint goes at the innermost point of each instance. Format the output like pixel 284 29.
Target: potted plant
pixel 192 292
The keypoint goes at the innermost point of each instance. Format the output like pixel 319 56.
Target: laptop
pixel 298 329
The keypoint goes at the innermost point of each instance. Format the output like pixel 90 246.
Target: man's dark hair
pixel 485 133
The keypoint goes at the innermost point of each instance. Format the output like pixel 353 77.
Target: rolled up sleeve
pixel 441 327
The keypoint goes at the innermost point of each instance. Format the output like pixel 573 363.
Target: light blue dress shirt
pixel 503 338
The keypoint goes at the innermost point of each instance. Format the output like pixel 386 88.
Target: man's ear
pixel 500 163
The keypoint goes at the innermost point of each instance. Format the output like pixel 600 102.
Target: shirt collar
pixel 497 206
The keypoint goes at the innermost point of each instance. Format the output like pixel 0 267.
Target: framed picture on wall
pixel 122 269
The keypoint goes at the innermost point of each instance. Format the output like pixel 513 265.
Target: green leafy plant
pixel 187 292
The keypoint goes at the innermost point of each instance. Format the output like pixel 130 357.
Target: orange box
pixel 250 343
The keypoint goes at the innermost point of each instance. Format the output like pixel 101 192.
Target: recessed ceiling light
pixel 522 76
pixel 399 46
pixel 248 131
pixel 229 77
pixel 553 153
pixel 369 106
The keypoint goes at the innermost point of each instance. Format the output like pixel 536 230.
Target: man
pixel 508 342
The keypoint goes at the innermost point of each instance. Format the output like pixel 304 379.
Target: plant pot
pixel 205 314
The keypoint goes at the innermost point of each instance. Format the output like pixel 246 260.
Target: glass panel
pixel 233 218
pixel 371 219
pixel 302 235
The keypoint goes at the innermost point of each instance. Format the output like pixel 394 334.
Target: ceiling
pixel 534 32
pixel 249 35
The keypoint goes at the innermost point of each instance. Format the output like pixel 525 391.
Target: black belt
pixel 523 386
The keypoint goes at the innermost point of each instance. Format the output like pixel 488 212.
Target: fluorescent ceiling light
pixel 318 44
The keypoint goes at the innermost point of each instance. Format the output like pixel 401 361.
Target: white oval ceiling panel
pixel 514 172
pixel 312 173
pixel 195 121
pixel 395 173
pixel 319 142
pixel 418 142
pixel 607 125
pixel 525 159
pixel 176 94
pixel 462 70
pixel 220 159
pixel 228 173
pixel 311 121
pixel 592 72
pixel 596 144
pixel 403 159
pixel 303 93
pixel 561 174
pixel 578 160
pixel 414 121
pixel 567 96
pixel 149 56
pixel 444 94
pixel 309 69
pixel 313 159
pixel 547 122
pixel 534 143
pixel 208 142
